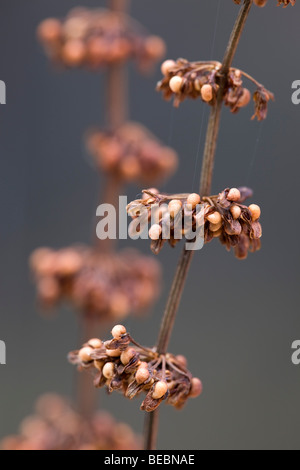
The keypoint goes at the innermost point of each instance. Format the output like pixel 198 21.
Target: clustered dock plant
pixel 98 279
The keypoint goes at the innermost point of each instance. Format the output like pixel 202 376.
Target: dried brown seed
pixel 155 232
pixel 142 374
pixel 176 83
pixel 95 343
pixel 255 211
pixel 127 355
pixel 207 93
pixel 166 66
pixel 235 211
pixel 118 331
pixel 196 388
pixel 234 195
pixel 84 354
pixel 214 218
pixel 193 200
pixel 160 389
pixel 108 370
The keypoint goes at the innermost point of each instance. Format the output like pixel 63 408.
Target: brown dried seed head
pixel 118 331
pixel 166 66
pixel 95 343
pixel 85 354
pixel 207 93
pixel 193 199
pixel 174 207
pixel 155 232
pixel 127 355
pixel 160 389
pixel 176 83
pixel 234 195
pixel 108 370
pixel 142 374
pixel 255 211
pixel 214 218
pixel 196 388
pixel 235 211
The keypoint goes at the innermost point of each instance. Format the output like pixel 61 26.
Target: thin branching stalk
pixel 151 428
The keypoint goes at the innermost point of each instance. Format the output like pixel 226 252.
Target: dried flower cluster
pixel 184 79
pixel 262 3
pixel 102 285
pixel 56 426
pixel 131 153
pixel 184 215
pixel 97 38
pixel 122 364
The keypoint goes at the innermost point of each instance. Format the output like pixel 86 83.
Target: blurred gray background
pixel 237 320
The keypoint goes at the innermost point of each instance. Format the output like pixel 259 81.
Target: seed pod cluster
pixel 55 425
pixel 184 215
pixel 184 79
pixel 105 286
pixel 262 3
pixel 97 38
pixel 122 364
pixel 132 153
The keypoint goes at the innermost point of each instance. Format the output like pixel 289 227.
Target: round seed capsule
pixel 176 83
pixel 196 388
pixel 193 200
pixel 244 99
pixel 160 389
pixel 155 232
pixel 108 370
pixel 73 52
pixel 174 207
pixel 234 195
pixel 215 227
pixel 142 374
pixel 95 343
pixel 118 331
pixel 113 352
pixel 235 211
pixel 85 354
pixel 255 211
pixel 166 66
pixel 127 355
pixel 207 93
pixel 214 218
pixel 182 360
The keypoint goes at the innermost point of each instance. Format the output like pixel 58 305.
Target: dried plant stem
pixel 205 189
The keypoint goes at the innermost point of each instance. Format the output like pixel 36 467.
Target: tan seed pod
pixel 73 52
pixel 215 218
pixel 255 211
pixel 166 66
pixel 215 227
pixel 196 388
pixel 160 389
pixel 155 232
pixel 193 200
pixel 174 207
pixel 95 343
pixel 176 83
pixel 234 195
pixel 113 352
pixel 108 370
pixel 118 331
pixel 142 374
pixel 207 93
pixel 244 99
pixel 85 354
pixel 127 355
pixel 235 211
